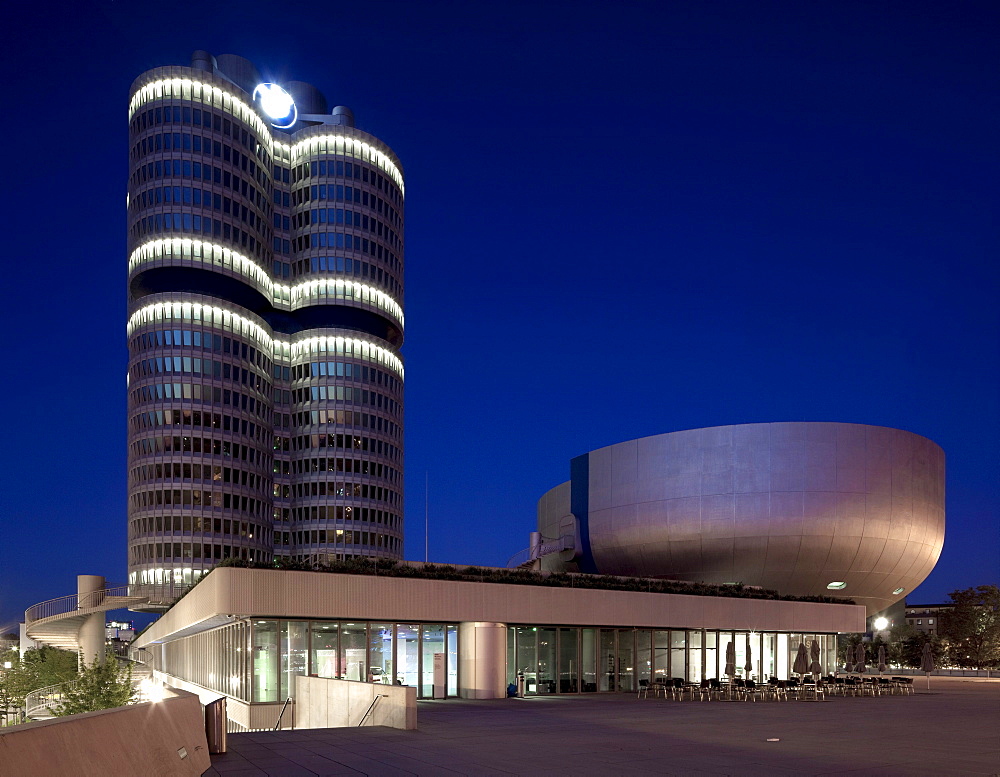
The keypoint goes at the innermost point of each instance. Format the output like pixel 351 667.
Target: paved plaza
pixel 953 730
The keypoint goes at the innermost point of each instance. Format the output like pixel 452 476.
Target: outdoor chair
pixel 751 690
pixel 815 690
pixel 677 689
pixel 905 684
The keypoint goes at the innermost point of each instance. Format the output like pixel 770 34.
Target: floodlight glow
pixel 880 624
pixel 151 690
pixel 277 104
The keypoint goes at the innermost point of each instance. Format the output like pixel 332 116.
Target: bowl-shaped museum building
pixel 804 508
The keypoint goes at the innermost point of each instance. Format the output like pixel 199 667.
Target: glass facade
pixel 588 660
pixel 258 660
pixel 389 653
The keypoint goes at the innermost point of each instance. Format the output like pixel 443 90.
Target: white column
pixel 89 591
pixel 482 655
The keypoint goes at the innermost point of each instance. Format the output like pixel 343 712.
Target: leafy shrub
pixel 361 565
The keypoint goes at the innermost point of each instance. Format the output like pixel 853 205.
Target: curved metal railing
pixel 537 551
pixel 143 657
pixel 39 702
pixel 162 593
pixel 66 604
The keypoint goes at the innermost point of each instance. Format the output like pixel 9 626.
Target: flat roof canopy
pixel 229 592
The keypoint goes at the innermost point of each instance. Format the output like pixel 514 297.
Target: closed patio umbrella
pixel 849 660
pixel 731 665
pixel 749 665
pixel 859 658
pixel 801 664
pixel 881 659
pixel 815 668
pixel 927 663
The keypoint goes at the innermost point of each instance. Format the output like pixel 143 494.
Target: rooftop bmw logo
pixel 277 104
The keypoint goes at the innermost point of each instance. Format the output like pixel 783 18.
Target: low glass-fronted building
pixel 249 633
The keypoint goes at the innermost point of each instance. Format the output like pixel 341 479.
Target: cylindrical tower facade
pixel 265 319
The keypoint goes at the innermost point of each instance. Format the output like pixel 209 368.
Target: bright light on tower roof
pixel 277 104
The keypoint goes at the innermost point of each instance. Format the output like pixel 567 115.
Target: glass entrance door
pixel 569 662
pixel 626 660
pixel 606 666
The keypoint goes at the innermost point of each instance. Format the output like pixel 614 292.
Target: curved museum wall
pixel 804 508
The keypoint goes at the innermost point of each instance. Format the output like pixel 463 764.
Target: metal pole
pixel 426 536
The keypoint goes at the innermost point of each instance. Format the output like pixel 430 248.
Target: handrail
pixel 537 551
pixel 164 593
pixel 141 656
pixel 42 698
pixel 65 604
pixel 371 707
pixel 280 714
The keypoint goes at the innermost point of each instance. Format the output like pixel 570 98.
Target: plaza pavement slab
pixel 952 730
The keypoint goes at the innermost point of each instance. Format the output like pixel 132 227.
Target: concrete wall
pixel 166 737
pixel 253 717
pixel 321 702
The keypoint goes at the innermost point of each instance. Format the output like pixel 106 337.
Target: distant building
pixel 9 642
pixel 925 618
pixel 120 630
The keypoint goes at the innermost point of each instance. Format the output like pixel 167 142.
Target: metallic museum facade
pixel 804 508
pixel 265 318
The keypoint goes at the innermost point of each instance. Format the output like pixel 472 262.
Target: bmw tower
pixel 265 319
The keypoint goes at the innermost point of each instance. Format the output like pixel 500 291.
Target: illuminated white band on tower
pixel 282 296
pixel 188 89
pixel 208 94
pixel 217 317
pixel 345 145
pixel 347 346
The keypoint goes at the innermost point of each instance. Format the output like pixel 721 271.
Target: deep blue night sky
pixel 622 219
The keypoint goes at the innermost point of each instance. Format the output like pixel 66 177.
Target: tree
pixel 99 687
pixel 912 649
pixel 898 635
pixel 40 667
pixel 972 627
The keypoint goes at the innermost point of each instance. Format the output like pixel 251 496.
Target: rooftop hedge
pixel 472 574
